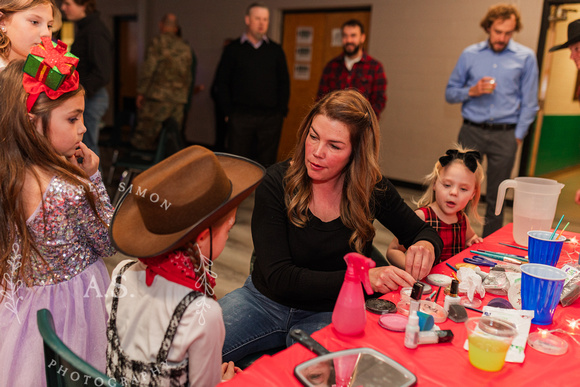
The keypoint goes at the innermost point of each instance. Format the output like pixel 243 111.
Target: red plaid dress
pixel 453 235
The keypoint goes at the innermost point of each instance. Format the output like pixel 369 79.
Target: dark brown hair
pixel 353 23
pixel 362 173
pixel 90 5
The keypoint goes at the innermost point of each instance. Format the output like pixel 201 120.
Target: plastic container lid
pixel 497 326
pixel 548 343
pixel 439 314
pixel 406 293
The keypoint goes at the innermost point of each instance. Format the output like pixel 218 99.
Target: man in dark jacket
pixel 253 88
pixel 93 46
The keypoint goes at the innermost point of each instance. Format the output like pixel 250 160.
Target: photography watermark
pixel 153 197
pixel 140 378
pixel 81 378
pixel 203 283
pixel 9 294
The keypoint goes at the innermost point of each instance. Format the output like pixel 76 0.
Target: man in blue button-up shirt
pixel 497 83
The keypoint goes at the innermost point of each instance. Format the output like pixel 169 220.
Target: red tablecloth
pixel 440 364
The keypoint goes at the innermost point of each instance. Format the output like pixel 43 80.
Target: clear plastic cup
pixel 489 340
pixel 542 249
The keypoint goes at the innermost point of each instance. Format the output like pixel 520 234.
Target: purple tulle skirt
pixel 80 320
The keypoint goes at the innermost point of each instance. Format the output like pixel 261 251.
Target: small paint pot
pixel 440 280
pixel 393 322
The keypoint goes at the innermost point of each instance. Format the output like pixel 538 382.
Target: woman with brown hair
pixel 309 212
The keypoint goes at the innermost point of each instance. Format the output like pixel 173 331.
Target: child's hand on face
pixel 85 159
pixel 473 240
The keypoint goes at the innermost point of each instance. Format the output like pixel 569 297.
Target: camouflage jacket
pixel 166 74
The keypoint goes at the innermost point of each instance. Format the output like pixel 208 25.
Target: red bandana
pixel 177 267
pixel 52 58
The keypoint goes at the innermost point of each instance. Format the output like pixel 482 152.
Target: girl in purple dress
pixel 54 216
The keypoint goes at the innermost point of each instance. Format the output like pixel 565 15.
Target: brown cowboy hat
pixel 170 203
pixel 573 36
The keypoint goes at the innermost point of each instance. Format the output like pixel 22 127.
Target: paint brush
pixel 523 258
pixel 558 225
pixel 560 234
pixel 515 247
pixel 471 308
pixel 497 257
pixel 451 267
pixel 437 295
pixel 431 295
pixel 491 254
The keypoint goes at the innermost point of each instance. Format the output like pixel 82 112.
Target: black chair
pixel 63 367
pixel 137 161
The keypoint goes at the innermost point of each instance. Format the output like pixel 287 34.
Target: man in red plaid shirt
pixel 354 69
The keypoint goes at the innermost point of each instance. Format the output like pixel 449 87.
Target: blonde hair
pixel 428 196
pixel 361 174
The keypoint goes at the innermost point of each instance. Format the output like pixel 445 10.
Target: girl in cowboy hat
pixel 22 25
pixel 54 215
pixel 311 211
pixel 165 326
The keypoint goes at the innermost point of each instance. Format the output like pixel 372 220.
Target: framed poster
pixel 302 71
pixel 304 35
pixel 303 54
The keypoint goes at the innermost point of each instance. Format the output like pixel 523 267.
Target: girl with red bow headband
pixel 54 217
pixel 454 186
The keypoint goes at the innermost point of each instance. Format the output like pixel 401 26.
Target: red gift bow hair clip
pixel 53 57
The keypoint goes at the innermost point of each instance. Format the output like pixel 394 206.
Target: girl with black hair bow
pixel 454 187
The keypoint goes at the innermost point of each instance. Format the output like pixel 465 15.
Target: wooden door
pixel 310 40
pixel 125 77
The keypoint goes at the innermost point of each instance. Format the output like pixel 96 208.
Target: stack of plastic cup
pixel 541 289
pixel 542 249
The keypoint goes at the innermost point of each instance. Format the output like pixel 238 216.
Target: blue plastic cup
pixel 543 250
pixel 541 289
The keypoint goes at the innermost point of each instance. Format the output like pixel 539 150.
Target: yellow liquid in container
pixel 486 353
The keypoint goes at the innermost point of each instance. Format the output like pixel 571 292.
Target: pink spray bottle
pixel 349 315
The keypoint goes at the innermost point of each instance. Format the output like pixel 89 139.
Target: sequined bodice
pixel 67 232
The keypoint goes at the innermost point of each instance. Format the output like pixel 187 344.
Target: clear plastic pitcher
pixel 535 201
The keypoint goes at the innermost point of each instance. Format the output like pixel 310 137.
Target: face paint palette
pixel 378 306
pixel 439 280
pixel 393 322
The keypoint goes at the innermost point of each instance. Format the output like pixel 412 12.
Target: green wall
pixel 559 144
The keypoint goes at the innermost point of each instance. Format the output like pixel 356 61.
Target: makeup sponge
pixel 426 321
pixel 457 313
